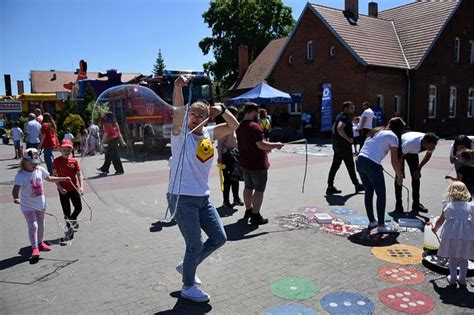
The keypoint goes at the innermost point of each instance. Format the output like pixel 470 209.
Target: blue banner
pixel 326 108
pixel 378 116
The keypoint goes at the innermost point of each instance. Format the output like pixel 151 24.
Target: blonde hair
pixel 457 191
pixel 22 165
pixel 203 105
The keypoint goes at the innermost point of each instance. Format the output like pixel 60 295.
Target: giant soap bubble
pixel 137 184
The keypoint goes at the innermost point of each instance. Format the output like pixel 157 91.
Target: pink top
pixel 112 131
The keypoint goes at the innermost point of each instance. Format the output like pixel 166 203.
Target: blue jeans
pixel 372 178
pixel 48 159
pixel 193 214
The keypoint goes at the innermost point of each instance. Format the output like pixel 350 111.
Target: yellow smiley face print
pixel 204 150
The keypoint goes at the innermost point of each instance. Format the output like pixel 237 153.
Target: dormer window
pixel 457 49
pixel 309 50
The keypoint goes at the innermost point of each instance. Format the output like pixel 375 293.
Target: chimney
pixel 8 85
pixel 352 7
pixel 373 9
pixel 243 59
pixel 20 87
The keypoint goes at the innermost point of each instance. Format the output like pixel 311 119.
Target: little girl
pixel 29 180
pixel 355 131
pixel 457 236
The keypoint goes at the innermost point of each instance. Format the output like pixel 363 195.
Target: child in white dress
pixel 457 236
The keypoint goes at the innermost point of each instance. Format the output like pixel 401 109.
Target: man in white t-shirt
pixel 366 121
pixel 412 144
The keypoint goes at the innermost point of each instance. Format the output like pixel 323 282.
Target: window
pixel 309 50
pixel 380 101
pixel 290 59
pixel 294 108
pixel 471 54
pixel 457 49
pixel 470 103
pixel 432 101
pixel 332 51
pixel 396 107
pixel 453 95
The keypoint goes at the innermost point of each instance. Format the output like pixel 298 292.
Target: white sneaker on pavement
pixel 179 268
pixel 387 229
pixel 195 294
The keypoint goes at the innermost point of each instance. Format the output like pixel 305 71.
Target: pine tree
pixel 159 66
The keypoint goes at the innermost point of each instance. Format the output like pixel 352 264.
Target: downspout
pixel 408 98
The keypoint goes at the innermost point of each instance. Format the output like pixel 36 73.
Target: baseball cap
pixel 67 144
pixel 32 155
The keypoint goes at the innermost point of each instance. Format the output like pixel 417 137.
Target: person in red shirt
pixel 66 165
pixel 49 140
pixel 253 162
pixel 113 138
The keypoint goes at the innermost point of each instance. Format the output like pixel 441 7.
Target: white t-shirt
pixel 376 148
pixel 31 189
pixel 355 130
pixel 369 114
pixel 69 136
pixel 196 164
pixel 94 131
pixel 16 134
pixel 33 131
pixel 451 150
pixel 411 142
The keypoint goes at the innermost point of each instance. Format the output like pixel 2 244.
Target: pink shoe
pixel 43 247
pixel 35 252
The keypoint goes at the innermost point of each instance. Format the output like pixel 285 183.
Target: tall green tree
pixel 159 66
pixel 234 22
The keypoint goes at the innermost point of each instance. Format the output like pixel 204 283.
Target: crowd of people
pixel 242 150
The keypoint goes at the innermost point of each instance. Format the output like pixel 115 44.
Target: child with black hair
pixel 465 172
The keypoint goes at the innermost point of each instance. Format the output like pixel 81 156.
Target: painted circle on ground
pixel 358 220
pixel 310 210
pixel 401 274
pixel 399 254
pixel 347 303
pixel 406 300
pixel 291 309
pixel 344 211
pixel 294 288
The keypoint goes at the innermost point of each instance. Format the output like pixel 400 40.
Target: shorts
pixel 255 179
pixel 17 144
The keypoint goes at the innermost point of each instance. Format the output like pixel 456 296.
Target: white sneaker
pixel 387 229
pixel 451 281
pixel 195 294
pixel 179 268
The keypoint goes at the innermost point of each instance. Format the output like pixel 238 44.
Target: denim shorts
pixel 255 179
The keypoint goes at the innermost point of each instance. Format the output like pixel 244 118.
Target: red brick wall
pixel 439 69
pixel 349 79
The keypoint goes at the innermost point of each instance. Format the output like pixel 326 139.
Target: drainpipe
pixel 408 98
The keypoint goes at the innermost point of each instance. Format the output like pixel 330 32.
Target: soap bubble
pixel 139 184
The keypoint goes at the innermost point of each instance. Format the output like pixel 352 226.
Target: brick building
pixel 416 60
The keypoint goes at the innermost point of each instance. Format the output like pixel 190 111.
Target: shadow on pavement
pixel 226 212
pixel 184 306
pixel 238 231
pixel 338 200
pixel 159 225
pixel 449 295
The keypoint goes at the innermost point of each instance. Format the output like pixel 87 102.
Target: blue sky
pixel 121 34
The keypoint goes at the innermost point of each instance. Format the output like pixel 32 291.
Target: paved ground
pixel 124 261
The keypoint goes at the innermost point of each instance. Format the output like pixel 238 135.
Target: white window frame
pixel 381 102
pixel 471 56
pixel 470 102
pixel 332 51
pixel 457 50
pixel 290 59
pixel 397 104
pixel 432 99
pixel 453 98
pixel 294 108
pixel 309 50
